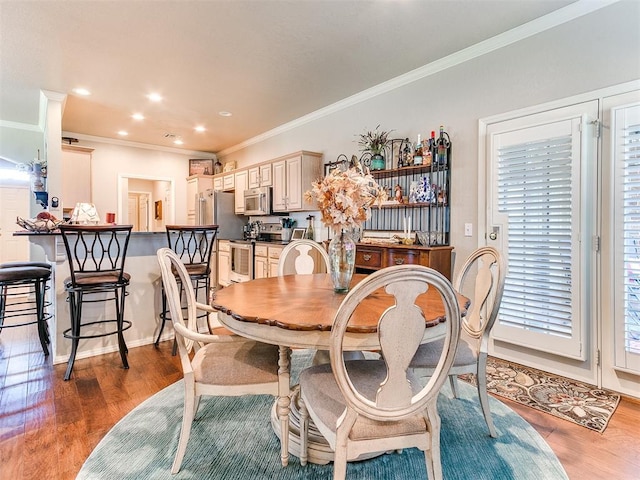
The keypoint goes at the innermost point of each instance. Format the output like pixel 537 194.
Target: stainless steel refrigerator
pixel 217 208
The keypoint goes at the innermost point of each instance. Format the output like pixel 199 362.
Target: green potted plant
pixel 374 142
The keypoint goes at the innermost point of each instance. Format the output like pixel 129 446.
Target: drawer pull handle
pixel 399 261
pixel 366 257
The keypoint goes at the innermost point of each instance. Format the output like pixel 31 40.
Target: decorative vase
pixel 377 162
pixel 342 256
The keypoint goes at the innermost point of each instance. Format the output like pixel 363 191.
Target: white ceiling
pixel 268 62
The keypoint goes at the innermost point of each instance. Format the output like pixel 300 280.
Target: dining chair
pixel 303 257
pixel 96 256
pixel 194 246
pixel 221 365
pixel 371 406
pixel 485 290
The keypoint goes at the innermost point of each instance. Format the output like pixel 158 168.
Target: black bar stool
pixel 193 245
pixel 96 255
pixel 14 277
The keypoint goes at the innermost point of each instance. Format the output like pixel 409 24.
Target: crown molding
pixel 146 146
pixel 541 24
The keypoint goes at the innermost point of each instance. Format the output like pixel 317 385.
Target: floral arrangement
pixel 374 141
pixel 345 198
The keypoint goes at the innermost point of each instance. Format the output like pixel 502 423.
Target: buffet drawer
pixel 368 258
pixel 402 257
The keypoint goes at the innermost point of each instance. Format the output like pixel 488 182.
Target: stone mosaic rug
pixel 577 402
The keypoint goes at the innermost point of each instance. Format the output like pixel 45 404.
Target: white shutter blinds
pixel 534 190
pixel 627 289
pixel 537 194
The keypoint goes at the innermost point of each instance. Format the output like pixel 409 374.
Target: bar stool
pixel 96 255
pixel 193 245
pixel 14 277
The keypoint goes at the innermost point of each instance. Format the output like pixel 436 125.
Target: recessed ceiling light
pixel 177 141
pixel 137 116
pixel 82 91
pixel 123 133
pixel 225 114
pixel 154 97
pixel 200 128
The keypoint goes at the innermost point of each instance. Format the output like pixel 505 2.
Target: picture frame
pixel 158 210
pixel 298 233
pixel 198 166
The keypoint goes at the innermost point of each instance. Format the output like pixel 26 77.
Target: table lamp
pixel 85 214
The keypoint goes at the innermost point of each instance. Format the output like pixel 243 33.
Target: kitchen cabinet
pixel 374 257
pixel 196 184
pixel 261 262
pixel 228 182
pixel 260 176
pixel 241 184
pixel 224 262
pixel 217 184
pixel 273 257
pixel 292 176
pixel 76 175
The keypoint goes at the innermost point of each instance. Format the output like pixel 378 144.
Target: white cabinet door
pixel 241 186
pixel 217 184
pixel 294 183
pixel 265 175
pixel 192 191
pixel 228 182
pixel 279 186
pixel 254 177
pixel 224 263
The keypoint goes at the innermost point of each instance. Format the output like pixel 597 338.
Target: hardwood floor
pixel 48 426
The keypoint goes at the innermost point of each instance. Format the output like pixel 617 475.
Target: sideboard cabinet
pixel 370 257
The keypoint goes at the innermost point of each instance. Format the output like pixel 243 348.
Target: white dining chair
pixel 485 290
pixel 303 257
pixel 369 406
pixel 222 365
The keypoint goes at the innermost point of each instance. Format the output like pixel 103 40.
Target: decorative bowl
pixel 38 225
pixel 423 238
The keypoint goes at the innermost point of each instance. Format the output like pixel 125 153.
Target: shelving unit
pixel 431 215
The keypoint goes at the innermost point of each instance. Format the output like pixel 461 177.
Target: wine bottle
pixel 442 146
pixel 417 156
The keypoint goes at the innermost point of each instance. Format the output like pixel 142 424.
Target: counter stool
pixel 96 255
pixel 14 277
pixel 193 245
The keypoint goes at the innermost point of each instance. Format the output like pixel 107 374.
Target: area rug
pixel 577 402
pixel 232 438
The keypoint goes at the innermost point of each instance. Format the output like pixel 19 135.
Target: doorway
pixel 138 211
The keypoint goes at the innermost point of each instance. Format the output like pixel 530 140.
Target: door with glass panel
pixel 541 201
pixel 621 243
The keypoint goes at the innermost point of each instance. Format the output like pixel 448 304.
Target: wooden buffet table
pixel 297 311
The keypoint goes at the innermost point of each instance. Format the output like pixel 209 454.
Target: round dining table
pixel 297 311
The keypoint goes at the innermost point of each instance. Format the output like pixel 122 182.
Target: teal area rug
pixel 232 438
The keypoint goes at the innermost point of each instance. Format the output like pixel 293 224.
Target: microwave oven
pixel 257 201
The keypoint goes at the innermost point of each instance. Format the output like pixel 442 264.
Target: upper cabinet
pixel 196 184
pixel 260 176
pixel 241 184
pixel 292 176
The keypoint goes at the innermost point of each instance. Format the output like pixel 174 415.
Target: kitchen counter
pixel 142 306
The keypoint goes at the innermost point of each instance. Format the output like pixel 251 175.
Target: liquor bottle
pixel 432 147
pixel 405 156
pixel 442 146
pixel 310 234
pixel 417 156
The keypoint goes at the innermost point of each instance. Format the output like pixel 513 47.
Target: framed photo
pixel 298 233
pixel 158 210
pixel 200 166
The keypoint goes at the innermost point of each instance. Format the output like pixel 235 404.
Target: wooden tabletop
pixel 308 303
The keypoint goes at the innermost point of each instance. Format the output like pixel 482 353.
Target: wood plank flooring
pixel 48 426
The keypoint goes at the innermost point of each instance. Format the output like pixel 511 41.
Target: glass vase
pixel 342 256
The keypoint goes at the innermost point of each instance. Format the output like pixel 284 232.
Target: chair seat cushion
pixel 322 395
pixel 428 354
pixel 97 279
pixel 236 363
pixel 18 274
pixel 193 269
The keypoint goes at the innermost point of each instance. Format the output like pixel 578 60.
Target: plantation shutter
pixel 537 212
pixel 627 243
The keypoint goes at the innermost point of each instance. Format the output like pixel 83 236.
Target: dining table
pixel 297 312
